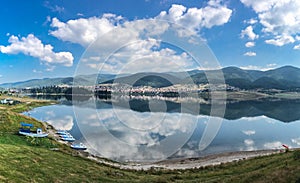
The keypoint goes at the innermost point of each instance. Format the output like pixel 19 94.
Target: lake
pixel 145 129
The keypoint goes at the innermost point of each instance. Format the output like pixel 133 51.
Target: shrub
pixel 44 142
pixel 297 155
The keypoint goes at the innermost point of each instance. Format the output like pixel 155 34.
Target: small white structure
pixel 9 101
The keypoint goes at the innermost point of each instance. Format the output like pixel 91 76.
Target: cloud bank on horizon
pixel 274 22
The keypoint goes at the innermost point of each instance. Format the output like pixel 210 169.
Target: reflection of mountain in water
pixel 283 110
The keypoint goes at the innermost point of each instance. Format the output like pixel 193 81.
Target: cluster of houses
pixel 123 88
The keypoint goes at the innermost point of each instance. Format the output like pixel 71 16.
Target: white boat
pixel 79 146
pixel 62 132
pixel 25 130
pixel 66 136
pixel 69 139
pixel 31 134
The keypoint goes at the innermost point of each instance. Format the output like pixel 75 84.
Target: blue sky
pixel 50 38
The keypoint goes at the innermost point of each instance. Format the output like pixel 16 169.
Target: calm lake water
pixel 144 129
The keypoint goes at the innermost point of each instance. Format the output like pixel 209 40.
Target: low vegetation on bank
pixel 25 159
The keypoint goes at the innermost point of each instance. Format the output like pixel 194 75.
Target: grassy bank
pixel 28 160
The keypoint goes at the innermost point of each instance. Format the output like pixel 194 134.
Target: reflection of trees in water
pixel 48 97
pixel 62 97
pixel 283 110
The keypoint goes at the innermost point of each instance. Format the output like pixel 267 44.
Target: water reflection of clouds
pixel 60 117
pixel 249 132
pixel 256 133
pixel 187 153
pixel 273 145
pixel 139 121
pixel 116 140
pixel 296 141
pixel 250 145
pixel 255 118
pixel 50 114
pixel 258 118
pixel 132 144
pixel 62 123
pixel 170 124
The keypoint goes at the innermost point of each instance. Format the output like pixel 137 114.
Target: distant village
pixel 171 91
pixel 122 89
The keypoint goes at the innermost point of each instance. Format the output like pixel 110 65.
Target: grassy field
pixel 30 160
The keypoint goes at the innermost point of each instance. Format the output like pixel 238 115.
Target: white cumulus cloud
pixel 251 21
pixel 84 30
pixel 281 40
pixel 213 14
pixel 260 6
pixel 137 43
pixel 280 19
pixel 250 44
pixel 297 47
pixel 250 54
pixel 248 32
pixel 141 57
pixel 34 47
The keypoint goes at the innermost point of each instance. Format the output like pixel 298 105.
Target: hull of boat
pixel 33 134
pixel 68 139
pixel 76 147
pixel 62 132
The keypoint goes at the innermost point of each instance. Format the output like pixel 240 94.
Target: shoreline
pixel 191 163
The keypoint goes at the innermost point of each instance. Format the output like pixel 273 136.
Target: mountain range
pixel 80 80
pixel 286 77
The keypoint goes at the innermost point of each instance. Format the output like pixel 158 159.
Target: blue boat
pixel 79 146
pixel 26 130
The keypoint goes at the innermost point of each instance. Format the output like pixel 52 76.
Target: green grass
pixel 24 159
pixel 32 164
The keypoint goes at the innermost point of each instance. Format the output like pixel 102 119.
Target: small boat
pixel 62 132
pixel 79 146
pixel 68 139
pixel 285 146
pixel 25 130
pixel 66 136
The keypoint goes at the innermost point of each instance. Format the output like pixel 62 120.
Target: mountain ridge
pixel 286 77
